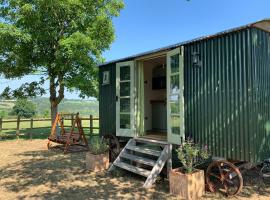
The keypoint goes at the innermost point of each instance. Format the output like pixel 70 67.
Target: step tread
pixel 134 169
pixel 152 141
pixel 139 159
pixel 144 150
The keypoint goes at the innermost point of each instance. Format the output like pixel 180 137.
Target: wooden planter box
pixel 187 186
pixel 97 163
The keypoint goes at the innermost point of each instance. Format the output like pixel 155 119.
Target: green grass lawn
pixel 41 129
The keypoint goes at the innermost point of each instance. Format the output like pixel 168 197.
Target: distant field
pixel 84 107
pixel 41 129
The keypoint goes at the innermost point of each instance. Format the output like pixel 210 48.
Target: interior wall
pixel 149 93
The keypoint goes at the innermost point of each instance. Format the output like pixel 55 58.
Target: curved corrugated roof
pixel 262 24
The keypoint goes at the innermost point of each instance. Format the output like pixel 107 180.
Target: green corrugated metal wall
pixel 260 137
pixel 226 98
pixel 107 101
pixel 221 106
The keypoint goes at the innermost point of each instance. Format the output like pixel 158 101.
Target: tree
pixel 24 108
pixel 61 40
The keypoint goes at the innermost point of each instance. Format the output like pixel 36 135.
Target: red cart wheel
pixel 114 146
pixel 225 177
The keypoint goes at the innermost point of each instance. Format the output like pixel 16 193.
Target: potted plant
pixel 186 181
pixel 97 159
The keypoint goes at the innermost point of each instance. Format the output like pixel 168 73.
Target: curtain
pixel 140 98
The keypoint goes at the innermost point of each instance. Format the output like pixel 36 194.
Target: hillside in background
pixel 84 107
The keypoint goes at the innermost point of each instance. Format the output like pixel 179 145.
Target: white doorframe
pixel 127 129
pixel 175 97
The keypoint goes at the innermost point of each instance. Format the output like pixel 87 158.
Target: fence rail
pixel 31 126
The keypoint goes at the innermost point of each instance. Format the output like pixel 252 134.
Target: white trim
pixel 174 138
pixel 125 132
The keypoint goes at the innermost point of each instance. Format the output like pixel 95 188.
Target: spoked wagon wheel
pixel 225 177
pixel 114 146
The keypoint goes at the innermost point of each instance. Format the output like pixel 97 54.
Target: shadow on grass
pixel 61 176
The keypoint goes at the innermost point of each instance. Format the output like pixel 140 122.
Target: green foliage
pixel 24 108
pixel 62 40
pixel 46 113
pixel 97 146
pixel 3 113
pixel 189 152
pixel 84 107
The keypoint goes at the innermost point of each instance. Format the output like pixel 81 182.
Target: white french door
pixel 175 96
pixel 125 99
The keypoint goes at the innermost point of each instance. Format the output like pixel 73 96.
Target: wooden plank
pixel 152 141
pixel 130 142
pixel 1 124
pixel 144 150
pixel 9 121
pixel 139 159
pixel 158 167
pixel 18 127
pixel 91 124
pixel 134 169
pixel 31 129
pixel 169 161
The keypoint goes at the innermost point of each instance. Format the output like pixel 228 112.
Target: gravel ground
pixel 29 171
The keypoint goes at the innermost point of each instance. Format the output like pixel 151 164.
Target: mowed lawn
pixel 29 171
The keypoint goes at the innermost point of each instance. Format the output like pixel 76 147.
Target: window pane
pixel 125 105
pixel 124 73
pixel 175 63
pixel 175 84
pixel 175 125
pixel 125 89
pixel 125 121
pixel 175 103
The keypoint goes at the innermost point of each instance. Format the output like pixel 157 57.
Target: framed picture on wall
pixel 106 78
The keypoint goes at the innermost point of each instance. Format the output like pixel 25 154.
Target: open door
pixel 125 99
pixel 175 97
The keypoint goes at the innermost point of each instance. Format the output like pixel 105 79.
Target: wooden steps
pixel 132 168
pixel 143 157
pixel 139 159
pixel 144 150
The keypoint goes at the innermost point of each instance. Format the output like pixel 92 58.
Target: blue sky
pixel 148 24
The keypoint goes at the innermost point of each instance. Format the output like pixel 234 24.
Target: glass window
pixel 125 105
pixel 175 84
pixel 125 121
pixel 175 108
pixel 175 63
pixel 125 89
pixel 175 125
pixel 125 73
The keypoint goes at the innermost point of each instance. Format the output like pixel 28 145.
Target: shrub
pixel 24 108
pixel 189 152
pixel 97 146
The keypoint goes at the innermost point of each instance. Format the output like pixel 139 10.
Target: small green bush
pixel 189 152
pixel 97 146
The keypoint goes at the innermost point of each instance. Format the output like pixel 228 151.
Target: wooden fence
pixel 32 121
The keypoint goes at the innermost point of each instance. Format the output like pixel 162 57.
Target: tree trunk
pixel 54 110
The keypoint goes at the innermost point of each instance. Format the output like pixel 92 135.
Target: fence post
pixel 31 128
pixel 1 124
pixel 91 124
pixel 18 127
pixel 72 119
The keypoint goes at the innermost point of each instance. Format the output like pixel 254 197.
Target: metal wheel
pixel 265 171
pixel 114 146
pixel 224 177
